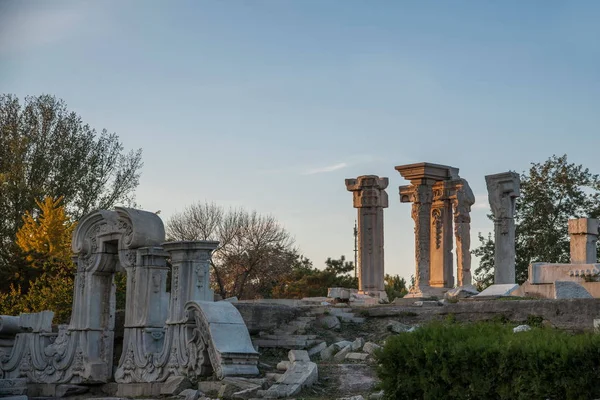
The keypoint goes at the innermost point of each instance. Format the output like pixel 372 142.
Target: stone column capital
pixel 368 191
pixel 503 189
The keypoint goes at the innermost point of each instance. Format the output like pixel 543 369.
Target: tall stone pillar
pixel 441 269
pixel 503 190
pixel 190 279
pixel 420 195
pixel 432 213
pixel 370 199
pixel 584 235
pixel 462 200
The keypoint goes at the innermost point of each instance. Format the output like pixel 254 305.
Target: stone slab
pixel 498 290
pixel 357 356
pixel 139 389
pixel 570 290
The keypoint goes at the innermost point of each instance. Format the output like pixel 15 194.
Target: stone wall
pixel 568 314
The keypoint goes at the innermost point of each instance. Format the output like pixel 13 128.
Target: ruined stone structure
pixel 370 199
pixel 439 197
pixel 503 190
pixel 167 335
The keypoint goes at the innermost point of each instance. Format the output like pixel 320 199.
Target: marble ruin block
pixel 439 198
pixel 584 235
pixel 370 199
pixel 167 335
pixel 503 190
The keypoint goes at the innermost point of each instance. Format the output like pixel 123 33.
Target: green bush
pixel 489 361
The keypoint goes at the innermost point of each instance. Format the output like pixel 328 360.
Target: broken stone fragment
pixel 298 355
pixel 357 356
pixel 317 349
pixel 521 328
pixel 190 394
pixel 329 322
pixel 370 347
pixel 328 352
pixel 358 344
pixel 175 385
pixel 341 355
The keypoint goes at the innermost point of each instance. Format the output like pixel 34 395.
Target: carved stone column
pixel 432 214
pixel 584 235
pixel 190 278
pixel 420 195
pixel 462 200
pixel 503 190
pixel 441 270
pixel 370 199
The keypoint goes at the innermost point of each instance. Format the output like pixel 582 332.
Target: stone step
pixel 339 310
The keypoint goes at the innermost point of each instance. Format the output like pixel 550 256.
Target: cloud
pixel 328 168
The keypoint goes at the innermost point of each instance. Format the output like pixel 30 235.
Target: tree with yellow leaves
pixel 45 240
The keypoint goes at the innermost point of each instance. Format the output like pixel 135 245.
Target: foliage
pixel 46 150
pixel 395 286
pixel 47 284
pixel 552 192
pixel 489 361
pixel 306 281
pixel 254 250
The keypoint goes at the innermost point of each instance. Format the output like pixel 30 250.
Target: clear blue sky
pixel 269 105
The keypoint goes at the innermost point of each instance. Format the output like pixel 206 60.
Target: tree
pixel 46 150
pixel 551 193
pixel 47 284
pixel 395 286
pixel 253 249
pixel 306 281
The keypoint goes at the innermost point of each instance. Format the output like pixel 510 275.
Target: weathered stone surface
pixel 359 397
pixel 498 290
pixel 376 395
pixel 370 347
pixel 503 190
pixel 570 290
pixel 341 355
pixel 329 322
pixel 521 328
pixel 584 235
pixel 13 387
pixel 338 293
pixel 265 317
pixel 358 344
pixel 461 292
pixel 190 394
pixel 328 352
pixel 210 387
pixel 175 385
pixel 370 198
pixel 70 390
pixel 300 374
pixel 317 349
pixel 354 378
pixel 357 356
pixel 343 343
pixel 238 388
pixel 298 355
pixel 283 365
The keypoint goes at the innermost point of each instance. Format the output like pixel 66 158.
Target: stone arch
pixel 218 339
pixel 81 352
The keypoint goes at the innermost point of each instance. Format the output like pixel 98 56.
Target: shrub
pixel 489 361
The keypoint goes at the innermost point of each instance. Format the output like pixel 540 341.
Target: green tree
pixel 306 281
pixel 395 286
pixel 552 192
pixel 46 150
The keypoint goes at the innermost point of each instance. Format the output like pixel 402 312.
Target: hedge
pixel 489 361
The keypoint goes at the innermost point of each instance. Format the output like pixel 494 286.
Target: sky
pixel 270 104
